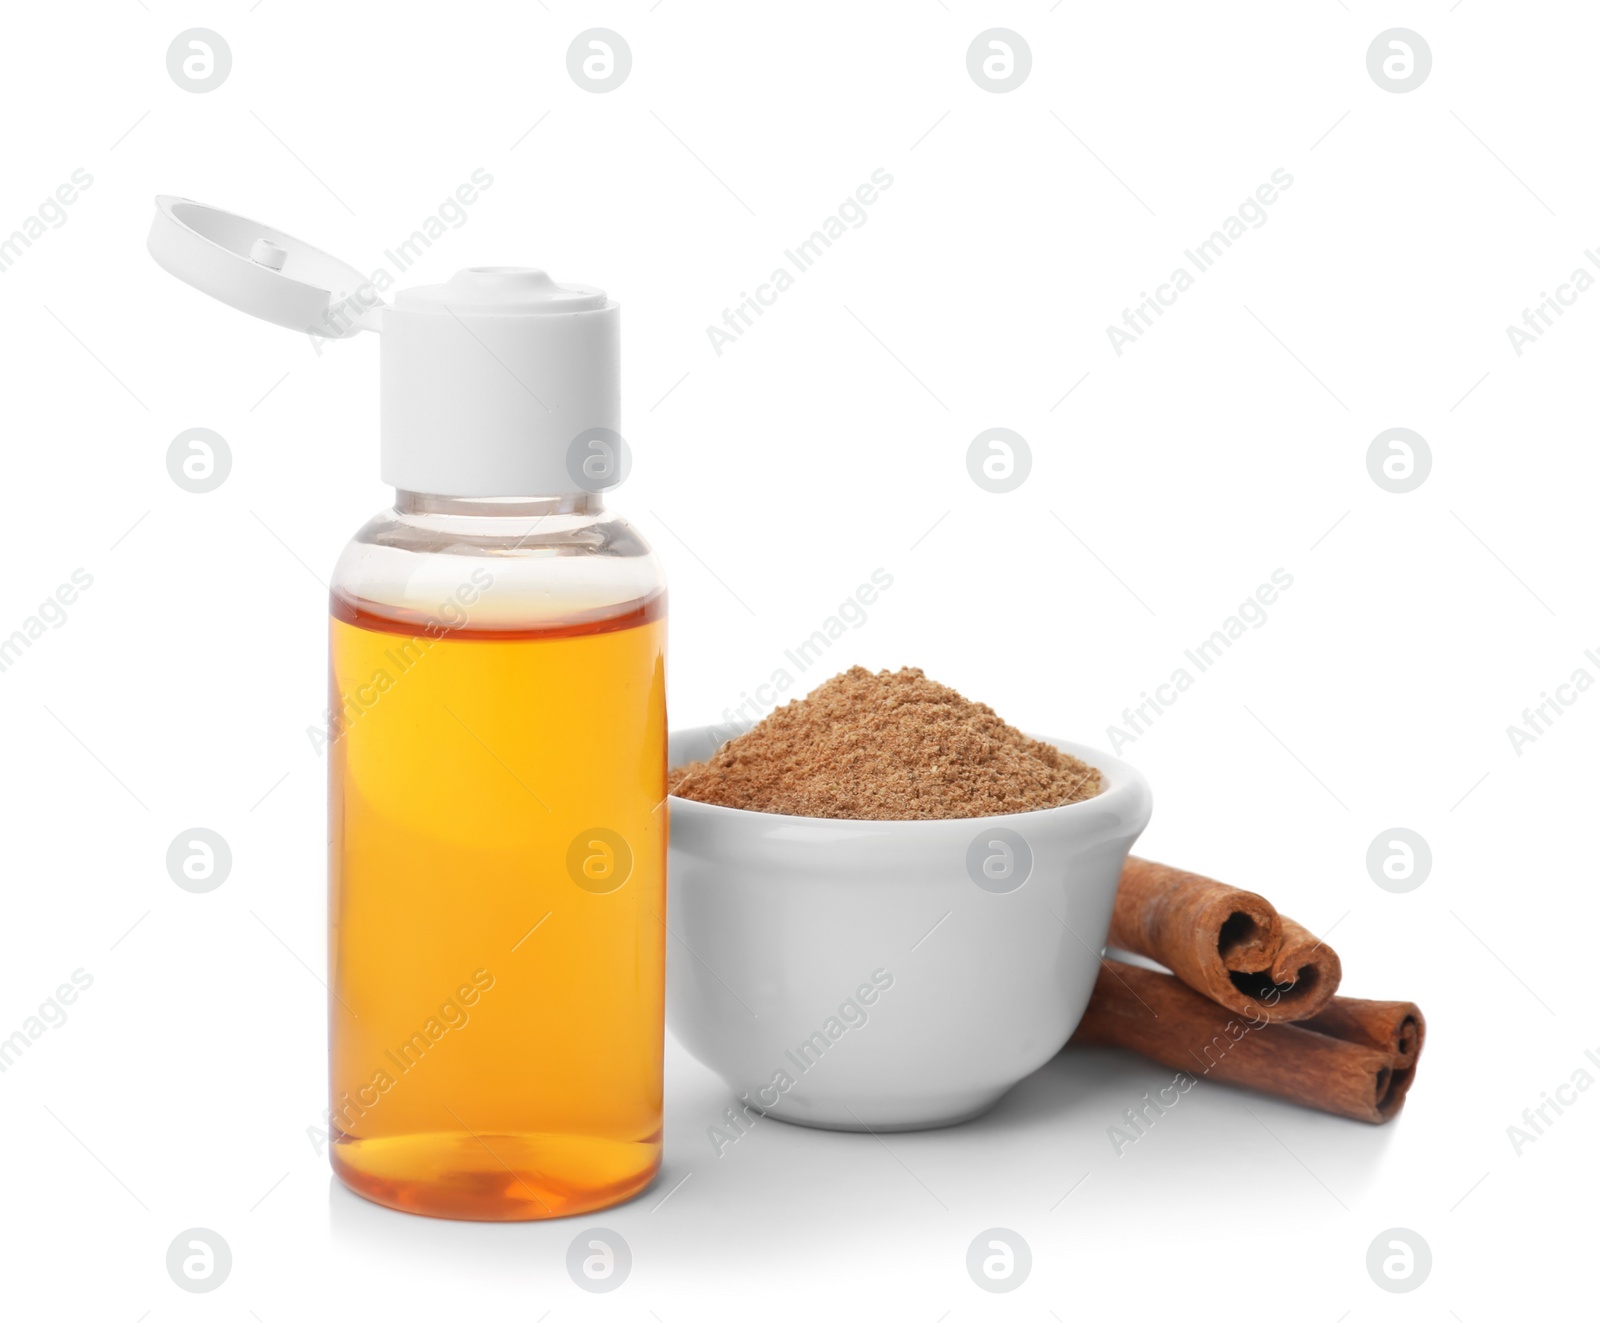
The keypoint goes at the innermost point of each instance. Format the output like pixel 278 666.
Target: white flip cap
pixel 499 382
pixel 257 269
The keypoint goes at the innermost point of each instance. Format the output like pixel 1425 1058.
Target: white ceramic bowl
pixel 888 975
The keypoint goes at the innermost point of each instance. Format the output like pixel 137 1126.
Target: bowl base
pixel 885 1116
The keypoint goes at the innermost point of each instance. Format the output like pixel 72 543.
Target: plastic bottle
pixel 497 743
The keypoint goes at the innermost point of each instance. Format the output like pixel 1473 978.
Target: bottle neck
pixel 491 507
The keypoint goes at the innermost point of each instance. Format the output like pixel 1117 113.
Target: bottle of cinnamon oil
pixel 496 743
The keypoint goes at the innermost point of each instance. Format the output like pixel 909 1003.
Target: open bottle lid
pixel 499 382
pixel 261 271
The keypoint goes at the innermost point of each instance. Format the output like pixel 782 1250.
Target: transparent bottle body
pixel 497 858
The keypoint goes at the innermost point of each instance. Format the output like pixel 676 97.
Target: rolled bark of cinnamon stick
pixel 1305 974
pixel 1353 1076
pixel 1396 1026
pixel 1225 942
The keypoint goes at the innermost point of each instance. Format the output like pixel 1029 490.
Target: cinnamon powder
pixel 885 746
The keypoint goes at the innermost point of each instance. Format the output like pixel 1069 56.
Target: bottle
pixel 497 815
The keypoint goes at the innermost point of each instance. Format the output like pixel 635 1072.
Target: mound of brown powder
pixel 890 745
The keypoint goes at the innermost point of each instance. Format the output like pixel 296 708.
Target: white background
pixel 1167 483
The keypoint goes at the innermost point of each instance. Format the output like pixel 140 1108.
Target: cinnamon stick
pixel 1395 1026
pixel 1360 1065
pixel 1223 941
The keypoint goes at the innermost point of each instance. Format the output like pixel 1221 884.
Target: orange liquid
pixel 497 886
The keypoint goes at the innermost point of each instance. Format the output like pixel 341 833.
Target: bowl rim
pixel 1127 795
